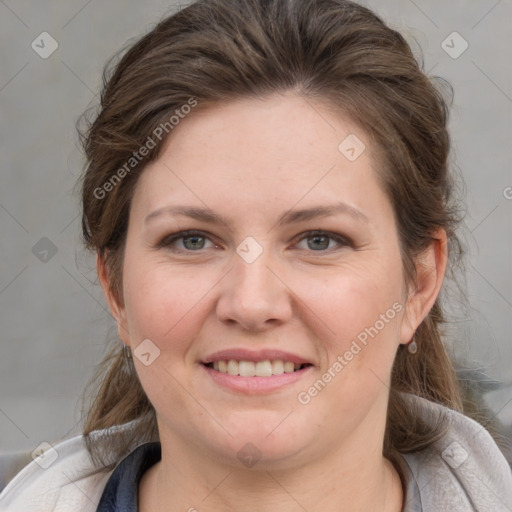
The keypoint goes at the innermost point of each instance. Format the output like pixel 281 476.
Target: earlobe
pixel 116 308
pixel 430 272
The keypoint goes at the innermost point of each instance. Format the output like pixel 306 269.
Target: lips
pixel 264 363
pixel 265 368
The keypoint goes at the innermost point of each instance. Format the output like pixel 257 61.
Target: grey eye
pixel 193 242
pixel 318 242
pixel 322 241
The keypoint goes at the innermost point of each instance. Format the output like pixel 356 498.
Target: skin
pixel 251 161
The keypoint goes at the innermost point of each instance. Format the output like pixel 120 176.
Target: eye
pixel 195 241
pixel 322 241
pixel 191 241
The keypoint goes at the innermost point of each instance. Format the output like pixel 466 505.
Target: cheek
pixel 163 304
pixel 362 310
pixel 359 309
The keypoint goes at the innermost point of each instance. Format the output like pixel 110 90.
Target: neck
pixel 343 481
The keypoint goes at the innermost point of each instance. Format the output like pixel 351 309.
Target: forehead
pixel 279 130
pixel 259 153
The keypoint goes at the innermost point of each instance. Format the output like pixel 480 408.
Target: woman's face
pixel 290 262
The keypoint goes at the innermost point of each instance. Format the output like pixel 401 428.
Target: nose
pixel 254 297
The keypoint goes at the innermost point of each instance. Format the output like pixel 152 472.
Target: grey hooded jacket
pixel 464 471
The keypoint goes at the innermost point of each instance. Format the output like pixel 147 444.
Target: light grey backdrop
pixel 54 324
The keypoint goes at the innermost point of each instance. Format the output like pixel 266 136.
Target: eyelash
pixel 170 239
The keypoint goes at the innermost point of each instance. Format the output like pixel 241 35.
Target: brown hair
pixel 332 51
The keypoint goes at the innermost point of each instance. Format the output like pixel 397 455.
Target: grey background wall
pixel 54 323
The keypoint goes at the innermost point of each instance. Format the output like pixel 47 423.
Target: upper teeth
pixel 251 369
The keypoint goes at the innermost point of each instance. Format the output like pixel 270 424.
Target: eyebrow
pixel 289 217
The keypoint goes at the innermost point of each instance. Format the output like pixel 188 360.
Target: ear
pixel 117 309
pixel 430 271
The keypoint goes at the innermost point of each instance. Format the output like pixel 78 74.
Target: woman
pixel 268 196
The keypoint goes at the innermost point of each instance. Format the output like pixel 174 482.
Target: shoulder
pixel 463 470
pixel 64 478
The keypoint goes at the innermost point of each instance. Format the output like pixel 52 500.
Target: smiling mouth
pixel 265 368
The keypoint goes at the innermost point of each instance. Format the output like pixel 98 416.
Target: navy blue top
pixel 122 489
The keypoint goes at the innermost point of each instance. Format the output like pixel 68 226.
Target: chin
pixel 262 441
